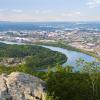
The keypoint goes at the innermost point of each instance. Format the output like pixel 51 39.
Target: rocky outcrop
pixel 20 86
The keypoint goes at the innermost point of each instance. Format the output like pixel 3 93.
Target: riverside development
pixel 84 36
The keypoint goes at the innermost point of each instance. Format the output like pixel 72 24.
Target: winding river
pixel 72 55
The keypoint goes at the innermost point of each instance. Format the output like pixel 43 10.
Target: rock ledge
pixel 20 86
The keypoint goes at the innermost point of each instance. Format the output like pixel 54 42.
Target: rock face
pixel 20 86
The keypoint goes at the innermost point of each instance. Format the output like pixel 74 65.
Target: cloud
pixel 93 3
pixel 17 10
pixel 78 13
pixel 53 16
pixel 71 14
pixel 42 11
pixel 11 10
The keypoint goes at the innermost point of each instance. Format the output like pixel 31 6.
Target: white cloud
pixel 42 11
pixel 78 13
pixel 17 10
pixel 71 14
pixel 93 3
pixel 58 16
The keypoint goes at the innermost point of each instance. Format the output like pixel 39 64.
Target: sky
pixel 49 10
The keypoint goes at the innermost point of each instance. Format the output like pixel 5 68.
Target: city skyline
pixel 49 10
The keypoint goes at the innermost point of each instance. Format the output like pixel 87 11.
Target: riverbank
pixel 68 47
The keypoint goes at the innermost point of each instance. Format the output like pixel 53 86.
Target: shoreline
pixel 57 44
pixel 68 47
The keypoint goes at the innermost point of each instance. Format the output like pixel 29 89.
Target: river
pixel 71 55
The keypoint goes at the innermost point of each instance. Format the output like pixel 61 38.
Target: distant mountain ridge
pixel 47 26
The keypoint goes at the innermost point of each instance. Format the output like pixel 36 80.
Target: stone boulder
pixel 21 86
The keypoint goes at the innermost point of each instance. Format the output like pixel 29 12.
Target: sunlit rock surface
pixel 20 86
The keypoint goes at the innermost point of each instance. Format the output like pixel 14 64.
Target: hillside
pixel 30 56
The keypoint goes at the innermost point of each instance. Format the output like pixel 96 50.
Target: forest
pixel 62 84
pixel 34 56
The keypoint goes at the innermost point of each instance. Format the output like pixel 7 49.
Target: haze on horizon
pixel 49 10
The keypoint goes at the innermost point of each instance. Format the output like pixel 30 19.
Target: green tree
pixel 69 69
pixel 92 68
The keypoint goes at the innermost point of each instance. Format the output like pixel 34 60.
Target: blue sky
pixel 49 10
